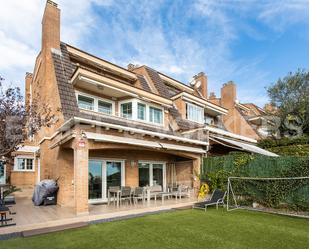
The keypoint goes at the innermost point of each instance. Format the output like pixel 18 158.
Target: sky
pixel 252 42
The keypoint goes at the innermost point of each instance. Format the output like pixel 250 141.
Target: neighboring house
pixel 248 119
pixel 115 126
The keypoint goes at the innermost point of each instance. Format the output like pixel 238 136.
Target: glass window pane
pixel 104 107
pixel 157 174
pixel 85 102
pixel 195 113
pixel 143 174
pixel 113 174
pixel 126 110
pixel 141 111
pixel 29 164
pixel 95 179
pixel 20 163
pixel 155 115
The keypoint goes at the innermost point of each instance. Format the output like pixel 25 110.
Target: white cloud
pixel 137 31
pixel 20 31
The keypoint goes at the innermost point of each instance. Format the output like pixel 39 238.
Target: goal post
pixel 288 194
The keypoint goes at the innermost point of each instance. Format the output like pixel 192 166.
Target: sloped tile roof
pixel 183 124
pixel 144 83
pixel 63 70
pixel 158 82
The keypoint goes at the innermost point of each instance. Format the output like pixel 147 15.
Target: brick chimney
pixel 200 84
pixel 51 27
pixel 228 95
pixel 28 80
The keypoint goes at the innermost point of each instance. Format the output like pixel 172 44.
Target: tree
pixel 290 96
pixel 19 121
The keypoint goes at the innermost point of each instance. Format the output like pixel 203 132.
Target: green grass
pixel 181 229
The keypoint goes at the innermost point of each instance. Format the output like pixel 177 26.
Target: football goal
pixel 280 195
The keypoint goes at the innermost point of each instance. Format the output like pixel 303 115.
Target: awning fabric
pixel 28 149
pixel 243 146
pixel 121 140
pixel 182 148
pixel 140 142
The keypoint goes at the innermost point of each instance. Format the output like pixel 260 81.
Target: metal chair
pixel 139 194
pixel 125 195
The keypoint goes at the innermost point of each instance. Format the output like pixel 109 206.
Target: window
pixel 195 113
pixel 155 115
pixel 105 107
pixel 209 120
pixel 141 111
pixel 152 174
pixel 85 102
pixel 24 164
pixel 93 103
pixel 126 110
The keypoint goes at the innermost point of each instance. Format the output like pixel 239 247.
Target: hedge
pixel 291 194
pixel 269 143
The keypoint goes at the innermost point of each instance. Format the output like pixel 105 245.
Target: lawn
pixel 181 229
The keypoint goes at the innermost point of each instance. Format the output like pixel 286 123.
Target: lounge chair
pixel 217 198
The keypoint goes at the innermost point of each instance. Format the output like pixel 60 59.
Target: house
pixel 246 119
pixel 114 126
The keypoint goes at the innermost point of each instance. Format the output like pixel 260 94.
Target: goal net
pixel 280 195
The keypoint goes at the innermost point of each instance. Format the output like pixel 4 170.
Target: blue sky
pixel 252 43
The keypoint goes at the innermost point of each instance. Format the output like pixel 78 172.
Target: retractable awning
pixel 143 143
pixel 121 140
pixel 242 146
pixel 182 148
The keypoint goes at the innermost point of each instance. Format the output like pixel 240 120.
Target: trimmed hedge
pixel 291 150
pixel 269 143
pixel 294 194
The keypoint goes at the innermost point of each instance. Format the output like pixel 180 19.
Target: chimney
pixel 51 27
pixel 228 95
pixel 200 84
pixel 212 95
pixel 28 80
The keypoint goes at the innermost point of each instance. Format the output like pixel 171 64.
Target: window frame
pixel 25 158
pixel 135 103
pixel 145 111
pixel 202 109
pixel 132 109
pixel 96 103
pixel 154 116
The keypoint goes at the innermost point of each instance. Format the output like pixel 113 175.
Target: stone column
pixel 81 154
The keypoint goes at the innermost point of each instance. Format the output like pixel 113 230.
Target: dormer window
pixel 141 111
pixel 155 115
pixel 85 102
pixel 126 110
pixel 195 113
pixel 93 103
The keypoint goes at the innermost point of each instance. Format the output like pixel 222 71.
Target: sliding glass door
pixel 151 174
pixel 102 175
pixel 95 179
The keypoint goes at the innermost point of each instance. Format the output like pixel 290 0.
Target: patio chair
pixel 125 195
pixel 182 191
pixel 112 193
pixel 139 194
pixel 155 191
pixel 217 198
